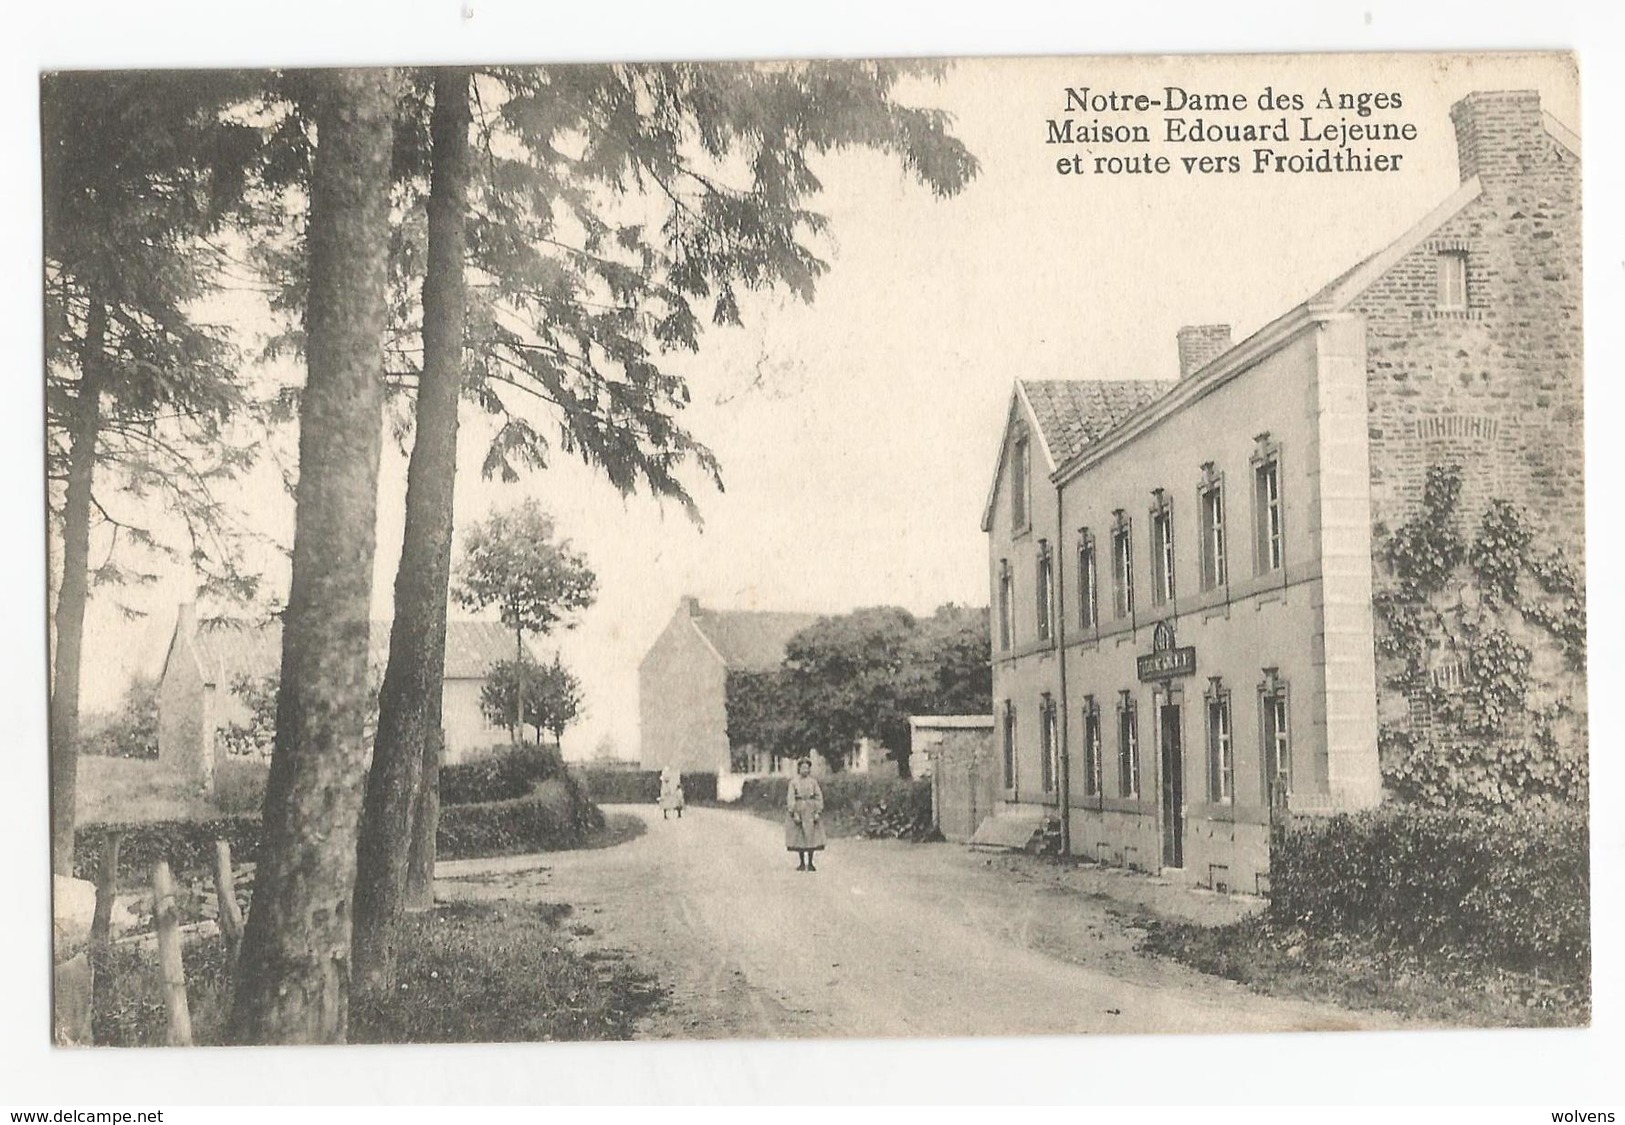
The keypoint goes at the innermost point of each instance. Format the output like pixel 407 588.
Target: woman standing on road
pixel 804 816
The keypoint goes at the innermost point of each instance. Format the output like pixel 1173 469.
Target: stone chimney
pixel 1499 133
pixel 689 605
pixel 186 620
pixel 1201 344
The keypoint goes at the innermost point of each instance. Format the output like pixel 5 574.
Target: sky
pixel 857 434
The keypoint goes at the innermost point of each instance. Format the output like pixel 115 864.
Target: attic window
pixel 1020 483
pixel 1452 270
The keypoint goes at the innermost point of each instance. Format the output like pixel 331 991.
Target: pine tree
pixel 141 172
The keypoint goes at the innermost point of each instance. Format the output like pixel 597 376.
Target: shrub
pixel 877 807
pixel 187 846
pixel 503 774
pixel 239 785
pixel 555 817
pixel 610 786
pixel 1505 889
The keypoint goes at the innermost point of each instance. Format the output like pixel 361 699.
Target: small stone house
pixel 203 663
pixel 683 685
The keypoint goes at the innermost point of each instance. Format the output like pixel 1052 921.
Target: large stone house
pixel 204 664
pixel 1190 577
pixel 683 685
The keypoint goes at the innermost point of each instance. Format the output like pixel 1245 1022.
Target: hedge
pixel 187 845
pixel 1508 889
pixel 609 786
pixel 558 815
pixel 505 773
pixel 875 806
pixel 555 817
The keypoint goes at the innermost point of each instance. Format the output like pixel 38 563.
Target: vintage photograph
pixel 818 548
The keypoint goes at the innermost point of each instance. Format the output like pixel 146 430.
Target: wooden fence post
pixel 170 966
pixel 225 890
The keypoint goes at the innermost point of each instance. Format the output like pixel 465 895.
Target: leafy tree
pixel 140 170
pixel 258 734
pixel 551 692
pixel 861 676
pixel 760 714
pixel 130 730
pixel 536 583
pixel 953 644
pixel 606 211
pixel 259 695
pixel 293 974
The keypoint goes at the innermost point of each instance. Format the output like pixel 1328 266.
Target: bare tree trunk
pixel 425 828
pixel 294 969
pixel 410 702
pixel 74 595
pixel 519 687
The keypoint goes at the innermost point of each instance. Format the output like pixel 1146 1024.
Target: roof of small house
pixel 227 650
pixel 1071 413
pixel 750 640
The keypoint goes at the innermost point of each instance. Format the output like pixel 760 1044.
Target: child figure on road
pixel 671 793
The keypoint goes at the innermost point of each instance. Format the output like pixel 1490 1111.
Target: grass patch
pixel 1357 973
pixel 470 972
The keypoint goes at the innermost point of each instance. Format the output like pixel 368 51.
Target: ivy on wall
pixel 1485 641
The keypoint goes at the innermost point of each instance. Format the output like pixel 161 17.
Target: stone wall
pixel 1494 387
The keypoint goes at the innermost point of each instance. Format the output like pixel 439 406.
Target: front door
pixel 1173 789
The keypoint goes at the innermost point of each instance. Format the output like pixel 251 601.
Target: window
pixel 1452 267
pixel 1007 591
pixel 1128 747
pixel 1088 582
pixel 1092 764
pixel 1009 747
pixel 1270 546
pixel 1046 591
pixel 1020 483
pixel 1050 736
pixel 1122 567
pixel 1221 745
pixel 1162 549
pixel 1210 498
pixel 1277 734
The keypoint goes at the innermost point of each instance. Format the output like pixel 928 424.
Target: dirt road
pixel 886 939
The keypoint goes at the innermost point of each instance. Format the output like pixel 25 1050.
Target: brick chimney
pixel 1200 344
pixel 690 605
pixel 1499 133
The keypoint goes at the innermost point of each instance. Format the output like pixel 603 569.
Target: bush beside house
pixel 1510 889
pixel 611 786
pixel 855 803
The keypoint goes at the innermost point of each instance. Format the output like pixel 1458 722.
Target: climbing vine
pixel 1491 723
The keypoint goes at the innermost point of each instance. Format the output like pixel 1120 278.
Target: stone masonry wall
pixel 1495 388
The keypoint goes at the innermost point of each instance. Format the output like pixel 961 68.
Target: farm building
pixel 683 685
pixel 204 665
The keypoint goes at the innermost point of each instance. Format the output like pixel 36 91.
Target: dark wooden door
pixel 1173 789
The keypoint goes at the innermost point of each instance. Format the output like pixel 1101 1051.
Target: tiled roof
pixel 750 641
pixel 227 651
pixel 1072 413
